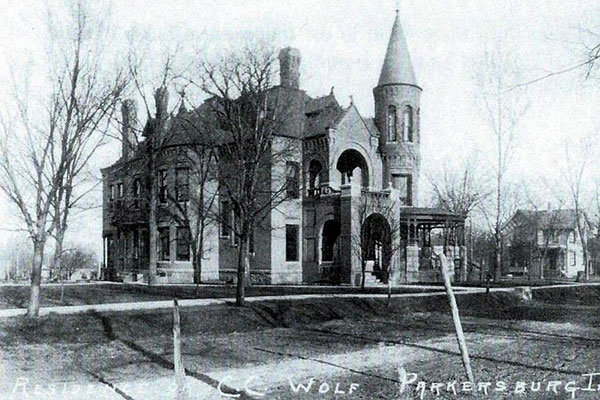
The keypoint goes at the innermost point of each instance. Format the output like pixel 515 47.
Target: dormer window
pixel 407 129
pixel 391 124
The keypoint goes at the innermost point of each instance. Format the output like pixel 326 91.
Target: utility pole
pixel 460 337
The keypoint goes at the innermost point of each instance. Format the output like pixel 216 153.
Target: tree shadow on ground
pixel 164 362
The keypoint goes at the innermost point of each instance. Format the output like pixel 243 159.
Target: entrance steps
pixel 372 281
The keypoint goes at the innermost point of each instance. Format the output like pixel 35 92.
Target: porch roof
pixel 430 216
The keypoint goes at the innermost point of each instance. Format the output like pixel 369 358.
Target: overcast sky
pixel 343 42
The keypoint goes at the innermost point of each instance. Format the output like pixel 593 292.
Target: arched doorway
pixel 376 244
pixel 348 163
pixel 330 249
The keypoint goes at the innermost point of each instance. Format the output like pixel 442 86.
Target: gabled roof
pixel 321 114
pixel 397 66
pixel 546 219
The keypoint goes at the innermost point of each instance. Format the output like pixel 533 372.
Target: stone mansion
pixel 358 185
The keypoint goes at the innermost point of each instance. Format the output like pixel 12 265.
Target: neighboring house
pixel 345 160
pixel 544 244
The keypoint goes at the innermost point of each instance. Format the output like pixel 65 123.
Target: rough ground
pixel 335 342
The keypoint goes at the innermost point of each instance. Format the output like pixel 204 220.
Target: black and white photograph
pixel 299 199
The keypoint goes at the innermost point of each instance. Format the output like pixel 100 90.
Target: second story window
pixel 182 184
pixel 391 124
pixel 403 183
pixel 113 191
pixel 292 186
pixel 137 193
pixel 407 130
pixel 163 191
pixel 120 189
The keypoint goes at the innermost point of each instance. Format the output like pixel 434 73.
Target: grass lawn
pixel 553 337
pixel 79 294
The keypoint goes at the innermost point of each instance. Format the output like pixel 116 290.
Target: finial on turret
pixel 397 7
pixel 351 100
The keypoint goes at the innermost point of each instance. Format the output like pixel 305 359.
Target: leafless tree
pixel 252 120
pixel 459 191
pixel 193 202
pixel 503 107
pixel 384 231
pixel 152 79
pixel 42 158
pixel 575 176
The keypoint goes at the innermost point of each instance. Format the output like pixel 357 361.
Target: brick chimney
pixel 289 67
pixel 129 113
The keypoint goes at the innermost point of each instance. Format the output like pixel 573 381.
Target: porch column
pixel 350 241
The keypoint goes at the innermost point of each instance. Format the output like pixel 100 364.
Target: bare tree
pixel 38 174
pixel 146 148
pixel 503 107
pixel 253 122
pixel 575 175
pixel 193 202
pixel 459 191
pixel 376 236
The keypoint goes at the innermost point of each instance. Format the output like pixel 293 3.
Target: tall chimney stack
pixel 129 113
pixel 289 67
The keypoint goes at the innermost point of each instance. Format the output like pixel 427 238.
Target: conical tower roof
pixel 397 67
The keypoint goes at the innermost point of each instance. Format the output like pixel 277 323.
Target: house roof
pixel 321 113
pixel 547 219
pixel 397 66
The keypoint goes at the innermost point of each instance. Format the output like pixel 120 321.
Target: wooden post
pixel 177 359
pixel 456 318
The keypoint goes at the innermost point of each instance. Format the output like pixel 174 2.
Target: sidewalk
pixel 166 304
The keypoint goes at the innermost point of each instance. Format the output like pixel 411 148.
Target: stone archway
pixel 376 245
pixel 348 162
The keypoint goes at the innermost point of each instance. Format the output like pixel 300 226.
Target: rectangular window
pixel 183 243
pixel 291 243
pixel 574 237
pixel 292 187
pixel 573 258
pixel 137 193
pixel 163 191
pixel 112 192
pixel 120 189
pixel 403 183
pixel 136 244
pixel 182 179
pixel 225 218
pixel 164 243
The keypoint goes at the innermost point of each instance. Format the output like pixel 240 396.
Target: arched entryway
pixel 330 238
pixel 353 168
pixel 376 244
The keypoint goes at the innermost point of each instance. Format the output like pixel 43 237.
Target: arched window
pixel 407 130
pixel 314 178
pixel 391 122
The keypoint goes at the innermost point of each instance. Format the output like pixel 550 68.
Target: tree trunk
pixel 57 261
pixel 33 308
pixel 241 272
pixel 497 258
pixel 153 229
